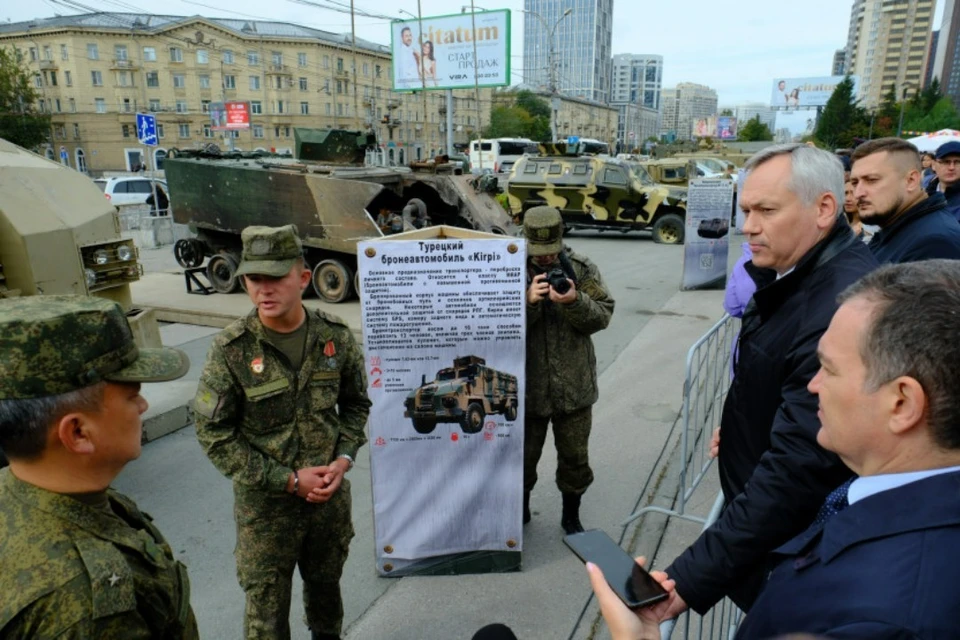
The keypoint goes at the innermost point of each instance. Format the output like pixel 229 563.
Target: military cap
pixel 51 345
pixel 543 229
pixel 269 251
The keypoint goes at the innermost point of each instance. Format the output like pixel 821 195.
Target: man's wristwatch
pixel 348 458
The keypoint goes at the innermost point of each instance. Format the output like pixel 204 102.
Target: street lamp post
pixel 553 68
pixel 903 102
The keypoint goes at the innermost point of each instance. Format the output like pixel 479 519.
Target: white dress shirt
pixel 869 485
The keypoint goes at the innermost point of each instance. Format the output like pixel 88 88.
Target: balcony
pixel 50 65
pixel 123 64
pixel 393 103
pixel 279 69
pixel 341 73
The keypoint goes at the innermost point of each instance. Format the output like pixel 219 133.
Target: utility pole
pixel 353 47
pixel 423 77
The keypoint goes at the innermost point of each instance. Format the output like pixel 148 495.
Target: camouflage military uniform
pixel 258 420
pixel 70 569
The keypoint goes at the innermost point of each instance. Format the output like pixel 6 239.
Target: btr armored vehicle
pixel 466 393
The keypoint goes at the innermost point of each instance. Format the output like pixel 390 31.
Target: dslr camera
pixel 558 280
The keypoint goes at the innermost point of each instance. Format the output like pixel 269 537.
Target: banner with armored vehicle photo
pixel 444 323
pixel 709 211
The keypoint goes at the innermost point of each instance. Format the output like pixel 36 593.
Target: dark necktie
pixel 835 503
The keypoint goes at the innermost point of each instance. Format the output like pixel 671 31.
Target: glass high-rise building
pixel 582 46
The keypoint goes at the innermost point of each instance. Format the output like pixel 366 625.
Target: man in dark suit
pixel 881 558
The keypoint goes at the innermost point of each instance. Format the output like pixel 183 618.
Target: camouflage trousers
pixel 571 433
pixel 277 532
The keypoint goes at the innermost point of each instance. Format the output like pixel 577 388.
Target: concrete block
pixel 166 422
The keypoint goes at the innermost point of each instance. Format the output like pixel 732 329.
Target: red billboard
pixel 233 114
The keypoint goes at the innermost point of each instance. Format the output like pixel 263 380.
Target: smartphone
pixel 629 580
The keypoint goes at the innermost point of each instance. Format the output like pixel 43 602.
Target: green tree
pixel 20 123
pixel 842 119
pixel 942 115
pixel 754 131
pixel 520 114
pixel 507 122
pixel 726 112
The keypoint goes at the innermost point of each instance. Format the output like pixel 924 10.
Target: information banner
pixel 444 324
pixel 806 92
pixel 233 114
pixel 437 52
pixel 707 239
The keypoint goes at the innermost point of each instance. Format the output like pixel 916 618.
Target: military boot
pixel 526 507
pixel 570 521
pixel 323 636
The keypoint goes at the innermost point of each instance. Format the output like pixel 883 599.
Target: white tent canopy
pixel 931 141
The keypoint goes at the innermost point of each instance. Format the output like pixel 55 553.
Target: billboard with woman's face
pixel 806 92
pixel 438 52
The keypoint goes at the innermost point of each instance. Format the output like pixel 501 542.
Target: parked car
pixel 129 189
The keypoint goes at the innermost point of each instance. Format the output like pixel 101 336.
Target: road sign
pixel 147 129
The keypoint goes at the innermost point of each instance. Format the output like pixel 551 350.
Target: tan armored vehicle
pixel 598 193
pixel 466 393
pixel 674 172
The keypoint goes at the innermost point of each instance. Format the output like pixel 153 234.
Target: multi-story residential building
pixel 888 46
pixel 931 57
pixel 95 72
pixel 580 43
pixel 946 65
pixel 683 105
pixel 750 110
pixel 839 63
pixel 635 125
pixel 637 87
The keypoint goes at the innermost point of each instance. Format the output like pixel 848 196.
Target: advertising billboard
pixel 805 92
pixel 438 52
pixel 726 128
pixel 229 115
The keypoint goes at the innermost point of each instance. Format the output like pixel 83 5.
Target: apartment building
pixel 95 72
pixel 683 105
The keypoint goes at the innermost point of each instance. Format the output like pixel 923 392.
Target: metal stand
pixel 194 285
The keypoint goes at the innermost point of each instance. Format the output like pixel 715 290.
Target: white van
pixel 499 154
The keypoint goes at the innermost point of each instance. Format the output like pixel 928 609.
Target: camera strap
pixel 567 265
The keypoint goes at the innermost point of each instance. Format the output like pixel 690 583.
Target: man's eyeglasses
pixel 950 163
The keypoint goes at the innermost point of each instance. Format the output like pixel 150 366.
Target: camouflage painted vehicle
pixel 465 393
pixel 333 199
pixel 673 172
pixel 598 193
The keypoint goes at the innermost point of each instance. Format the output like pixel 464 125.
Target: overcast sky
pixel 735 47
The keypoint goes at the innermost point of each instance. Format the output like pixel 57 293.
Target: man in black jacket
pixel 888 187
pixel 946 166
pixel 773 473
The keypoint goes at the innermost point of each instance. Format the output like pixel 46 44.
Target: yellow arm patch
pixel 208 402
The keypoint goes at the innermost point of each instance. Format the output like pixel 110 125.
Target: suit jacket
pixel 885 567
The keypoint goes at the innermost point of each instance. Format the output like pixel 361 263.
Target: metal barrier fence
pixel 706 380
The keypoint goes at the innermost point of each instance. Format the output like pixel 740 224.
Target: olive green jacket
pixel 561 364
pixel 258 419
pixel 72 571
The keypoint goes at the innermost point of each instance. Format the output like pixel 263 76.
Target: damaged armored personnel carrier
pixel 326 191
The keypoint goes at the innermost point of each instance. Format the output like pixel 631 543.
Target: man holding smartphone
pixel 567 302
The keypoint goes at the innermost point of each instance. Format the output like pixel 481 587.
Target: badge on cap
pixel 330 349
pixel 256 365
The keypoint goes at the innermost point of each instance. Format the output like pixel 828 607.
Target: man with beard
pixel 887 185
pixel 567 302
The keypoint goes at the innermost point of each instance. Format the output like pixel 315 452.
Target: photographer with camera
pixel 567 302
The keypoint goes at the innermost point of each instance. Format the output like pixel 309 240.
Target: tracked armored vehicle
pixel 326 191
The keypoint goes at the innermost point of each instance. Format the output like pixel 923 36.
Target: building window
pixel 101 105
pixel 279 106
pixel 153 79
pixel 97 78
pixel 176 54
pixel 203 57
pixel 205 106
pixel 339 86
pixel 33 54
pixel 303 84
pixel 253 58
pixel 42 105
pixel 256 107
pixel 204 81
pixel 47 53
pixel 68 78
pixel 182 106
pixel 127 105
pixel 124 79
pixel 366 69
pixel 81 161
pixel 301 59
pixel 328 109
pixel 149 54
pixel 59 131
pixel 159 130
pixel 276 132
pixel 154 105
pixel 179 81
pixel 304 108
pixel 339 108
pixel 63 52
pixel 326 62
pixel 254 83
pixel 53 78
pixel 120 52
pixel 229 82
pixel 227 56
pixel 286 132
pixel 207 131
pixel 279 82
pixel 258 131
pixel 92 52
pixel 277 58
pixel 126 130
pixel 377 69
pixel 56 105
pixel 76 131
pixel 73 105
pixel 37 80
pixel 339 64
pixel 233 133
pixel 183 130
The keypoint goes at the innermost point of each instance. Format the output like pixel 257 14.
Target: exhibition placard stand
pixel 444 326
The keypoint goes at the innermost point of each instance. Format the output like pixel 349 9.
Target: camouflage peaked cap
pixel 269 251
pixel 55 344
pixel 543 229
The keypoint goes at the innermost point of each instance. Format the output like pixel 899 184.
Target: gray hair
pixel 813 171
pixel 25 423
pixel 913 333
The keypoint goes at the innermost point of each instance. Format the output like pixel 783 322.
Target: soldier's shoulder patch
pixel 207 402
pixel 329 317
pixel 592 289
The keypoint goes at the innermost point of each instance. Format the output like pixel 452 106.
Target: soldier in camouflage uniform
pixel 78 560
pixel 280 410
pixel 561 365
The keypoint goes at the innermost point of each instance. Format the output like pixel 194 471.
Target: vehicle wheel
pixel 424 425
pixel 222 273
pixel 356 283
pixel 332 280
pixel 668 229
pixel 472 420
pixel 511 412
pixel 188 252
